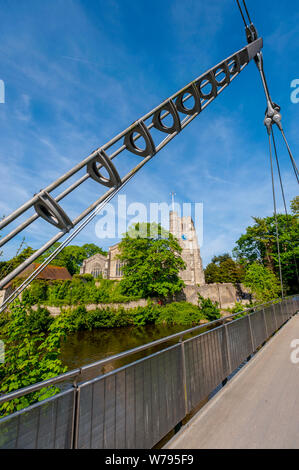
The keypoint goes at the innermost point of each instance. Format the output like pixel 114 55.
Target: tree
pixel 72 257
pixel 295 206
pixel 212 274
pixel 6 267
pixel 151 263
pixel 258 245
pixel 223 269
pixel 262 282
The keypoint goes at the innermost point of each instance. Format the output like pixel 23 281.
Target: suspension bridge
pixel 137 405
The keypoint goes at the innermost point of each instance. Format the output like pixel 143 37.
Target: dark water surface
pixel 85 347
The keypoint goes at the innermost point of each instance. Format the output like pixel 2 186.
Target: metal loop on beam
pixel 210 78
pixel 236 66
pixel 141 129
pixel 222 68
pixel 193 91
pixel 47 208
pixel 114 180
pixel 158 123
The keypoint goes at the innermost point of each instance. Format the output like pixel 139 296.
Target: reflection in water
pixel 85 347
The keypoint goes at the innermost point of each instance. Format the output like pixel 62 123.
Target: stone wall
pixel 55 311
pixel 225 294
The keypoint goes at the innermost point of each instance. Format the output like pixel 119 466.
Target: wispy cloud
pixel 75 83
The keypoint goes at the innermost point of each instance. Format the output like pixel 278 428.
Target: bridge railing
pixel 137 405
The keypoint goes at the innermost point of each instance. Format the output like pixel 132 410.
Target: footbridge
pixel 138 399
pixel 238 368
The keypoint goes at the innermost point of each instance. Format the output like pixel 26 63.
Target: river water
pixel 85 347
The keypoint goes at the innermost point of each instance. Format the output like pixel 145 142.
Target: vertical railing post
pixel 281 313
pixel 265 321
pixel 184 374
pixel 76 411
pixel 275 319
pixel 228 350
pixel 251 332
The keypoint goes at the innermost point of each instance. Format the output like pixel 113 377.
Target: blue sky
pixel 76 73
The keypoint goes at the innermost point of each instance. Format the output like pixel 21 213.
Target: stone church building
pixel 182 228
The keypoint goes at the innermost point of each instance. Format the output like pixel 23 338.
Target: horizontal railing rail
pixel 136 405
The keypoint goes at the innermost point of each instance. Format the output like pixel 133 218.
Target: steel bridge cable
pixel 53 255
pixel 243 17
pixel 287 225
pixel 296 171
pixel 275 215
pixel 246 9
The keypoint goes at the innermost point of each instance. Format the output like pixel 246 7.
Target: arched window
pixel 118 269
pixel 96 271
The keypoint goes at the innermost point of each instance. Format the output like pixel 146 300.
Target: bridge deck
pixel 259 407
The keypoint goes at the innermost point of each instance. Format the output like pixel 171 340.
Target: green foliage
pixel 81 290
pixel 295 206
pixel 176 313
pixel 7 267
pixel 152 263
pixel 37 293
pixel 29 358
pixel 180 313
pixel 223 269
pixel 258 245
pixel 262 282
pixel 72 256
pixel 81 319
pixel 209 309
pixel 39 320
pixel 239 308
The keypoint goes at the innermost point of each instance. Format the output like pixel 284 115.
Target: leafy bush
pixel 81 319
pixel 37 293
pixel 209 309
pixel 262 282
pixel 29 358
pixel 179 313
pixel 39 320
pixel 81 290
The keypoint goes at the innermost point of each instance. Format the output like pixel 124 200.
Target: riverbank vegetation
pixel 32 355
pixel 81 290
pixel 176 313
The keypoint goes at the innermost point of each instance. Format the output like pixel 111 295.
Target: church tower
pixel 183 229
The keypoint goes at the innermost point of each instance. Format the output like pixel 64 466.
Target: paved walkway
pixel 259 407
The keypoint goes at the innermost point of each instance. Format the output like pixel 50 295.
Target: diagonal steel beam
pixel 202 91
